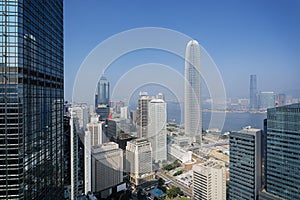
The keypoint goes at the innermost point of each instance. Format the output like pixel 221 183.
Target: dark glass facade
pixel 245 164
pixel 283 151
pixel 103 91
pixel 31 103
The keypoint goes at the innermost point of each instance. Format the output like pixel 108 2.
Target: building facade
pixel 245 164
pixel 283 152
pixel 103 91
pixel 143 116
pixel 253 93
pixel 139 160
pixel 192 91
pixel 31 89
pixel 157 132
pixel 209 181
pixel 107 166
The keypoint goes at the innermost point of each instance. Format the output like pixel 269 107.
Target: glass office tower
pixel 31 103
pixel 283 152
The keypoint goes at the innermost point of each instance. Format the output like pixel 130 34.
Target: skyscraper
pixel 143 115
pixel 31 87
pixel 253 93
pixel 139 160
pixel 245 164
pixel 192 98
pixel 103 91
pixel 157 131
pixel 107 166
pixel 283 152
pixel 209 180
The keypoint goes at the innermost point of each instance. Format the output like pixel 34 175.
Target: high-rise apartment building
pixel 209 181
pixel 283 152
pixel 157 131
pixel 31 89
pixel 253 93
pixel 107 166
pixel 192 91
pixel 143 115
pixel 245 164
pixel 139 160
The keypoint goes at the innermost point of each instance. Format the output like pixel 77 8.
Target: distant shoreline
pixel 234 111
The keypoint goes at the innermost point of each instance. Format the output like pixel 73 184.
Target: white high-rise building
pixel 107 166
pixel 87 162
pixel 139 160
pixel 157 131
pixel 192 98
pixel 209 181
pixel 82 112
pixel 97 134
pixel 124 112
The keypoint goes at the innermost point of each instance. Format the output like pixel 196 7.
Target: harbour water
pixel 233 120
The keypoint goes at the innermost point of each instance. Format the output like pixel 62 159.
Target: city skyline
pixel 259 39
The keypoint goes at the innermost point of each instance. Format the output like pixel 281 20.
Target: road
pixel 174 182
pixel 208 145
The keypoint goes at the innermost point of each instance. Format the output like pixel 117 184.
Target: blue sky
pixel 242 37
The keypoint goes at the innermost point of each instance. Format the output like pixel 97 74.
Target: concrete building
pixel 124 112
pixel 209 181
pixel 143 121
pixel 87 162
pixel 107 166
pixel 82 113
pixel 97 132
pixel 192 91
pixel 139 160
pixel 245 164
pixel 157 131
pixel 179 153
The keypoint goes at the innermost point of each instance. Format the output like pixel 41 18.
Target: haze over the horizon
pixel 242 37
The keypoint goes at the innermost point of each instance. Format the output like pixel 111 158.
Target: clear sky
pixel 242 37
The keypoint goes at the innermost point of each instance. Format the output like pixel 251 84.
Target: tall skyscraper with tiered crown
pixel 192 93
pixel 32 94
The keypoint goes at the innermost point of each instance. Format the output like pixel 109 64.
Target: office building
pixel 87 162
pixel 97 132
pixel 82 113
pixel 283 152
pixel 253 93
pixel 139 160
pixel 157 131
pixel 179 153
pixel 31 89
pixel 209 181
pixel 124 112
pixel 143 120
pixel 103 91
pixel 107 166
pixel 266 100
pixel 103 111
pixel 192 92
pixel 245 164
